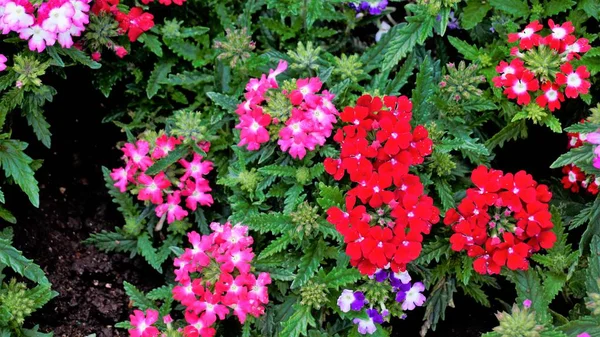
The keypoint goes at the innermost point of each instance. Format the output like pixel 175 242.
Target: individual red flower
pixel 527 37
pixel 518 86
pixel 378 247
pixel 135 23
pixel 559 34
pixel 573 176
pixel 551 96
pixel 512 254
pixel 396 135
pixel 515 66
pixel 575 80
pixel 575 46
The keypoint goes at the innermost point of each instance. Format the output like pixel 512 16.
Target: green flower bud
pixel 248 180
pixel 313 294
pixel 519 323
pixel 306 218
pixel 305 57
pixel 236 47
pixel 303 175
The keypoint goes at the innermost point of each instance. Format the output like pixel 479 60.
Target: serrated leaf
pixel 297 324
pixel 79 57
pixel 226 102
pixel 139 299
pixel 275 223
pixel 575 156
pixel 293 198
pixel 146 249
pixel 40 295
pixel 159 74
pixel 173 156
pixel 125 201
pixel 6 215
pixel 474 13
pixel 552 333
pixel 309 263
pixel 517 8
pixel 152 42
pixel 15 164
pixel 40 126
pixel 339 277
pixel 406 37
pixel 553 123
pixel 194 31
pixel 468 51
pixel 401 77
pixel 277 245
pixel 590 7
pixel 554 7
pixel 586 324
pixel 112 241
pixel 330 196
pixel 161 293
pixel 14 259
pixel 188 78
pixel 512 131
pixel 440 298
pixel 593 270
pixel 444 191
pixel 186 50
pixel 528 286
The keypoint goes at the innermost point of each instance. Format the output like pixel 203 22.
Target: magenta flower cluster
pixel 190 183
pixel 310 122
pixel 44 24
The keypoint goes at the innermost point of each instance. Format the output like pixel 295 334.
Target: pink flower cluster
pixel 309 124
pixel 191 183
pixel 54 20
pixel 223 281
pixel 3 60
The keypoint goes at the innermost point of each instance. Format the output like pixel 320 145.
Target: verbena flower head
pixel 574 177
pixel 541 66
pixel 373 7
pixel 142 323
pixel 307 124
pixel 3 60
pixel 378 145
pixel 502 221
pixel 214 279
pixel 185 179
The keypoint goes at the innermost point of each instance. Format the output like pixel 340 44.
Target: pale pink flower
pixel 38 38
pixel 59 17
pixel 17 15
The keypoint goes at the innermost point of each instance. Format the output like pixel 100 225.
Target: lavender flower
pixel 402 289
pixel 452 21
pixel 375 315
pixel 365 326
pixel 373 7
pixel 414 297
pixel 397 279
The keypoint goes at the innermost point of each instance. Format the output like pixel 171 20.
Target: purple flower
pixel 397 279
pixel 452 21
pixel 365 326
pixel 374 7
pixel 414 297
pixel 355 5
pixel 350 300
pixel 375 316
pixel 381 275
pixel 402 289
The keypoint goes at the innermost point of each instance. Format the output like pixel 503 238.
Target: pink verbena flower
pixel 172 208
pixel 3 60
pixel 17 15
pixel 295 137
pixel 253 129
pixel 143 323
pixel 306 87
pixel 164 145
pixel 56 15
pixel 196 193
pixel 38 38
pixel 138 154
pixel 153 187
pixel 122 176
pixel 196 168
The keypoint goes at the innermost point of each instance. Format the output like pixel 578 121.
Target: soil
pixel 74 204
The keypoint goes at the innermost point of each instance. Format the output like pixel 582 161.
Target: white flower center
pixel 559 33
pixel 255 126
pixel 520 87
pixel 527 32
pixel 572 177
pixel 573 80
pixel 552 95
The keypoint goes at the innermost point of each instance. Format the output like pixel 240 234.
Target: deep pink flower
pixel 138 154
pixel 153 187
pixel 172 208
pixel 143 323
pixel 305 87
pixel 164 145
pixel 253 129
pixel 196 193
pixel 195 168
pixel 2 62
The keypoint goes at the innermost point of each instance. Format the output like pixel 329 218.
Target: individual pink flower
pixel 195 168
pixel 143 323
pixel 197 327
pixel 138 154
pixel 527 303
pixel 305 87
pixel 551 96
pixel 258 287
pixel 172 208
pixel 65 39
pixel 122 176
pixel 120 51
pixel 56 15
pixel 295 137
pixel 80 17
pixel 17 15
pixel 516 65
pixel 236 258
pixel 3 60
pixel 38 38
pixel 574 47
pixel 153 187
pixel 253 129
pixel 414 297
pixel 575 80
pixel 281 67
pixel 197 193
pixel 96 56
pixel 209 308
pixel 164 145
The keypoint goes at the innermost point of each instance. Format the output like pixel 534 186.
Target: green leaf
pixel 194 31
pixel 139 299
pixel 40 295
pixel 590 7
pixel 275 223
pixel 57 60
pixel 293 198
pixel 152 42
pixel 554 7
pixel 186 50
pixel 553 123
pixel 14 259
pixel 15 164
pixel 401 77
pixel 406 37
pixel 159 74
pixel 170 159
pixel 434 250
pixel 112 242
pixel 587 324
pixel 440 298
pixel 298 322
pixel 79 57
pixel 512 131
pixel 34 332
pixel 330 196
pixel 124 200
pixel 278 171
pixel 444 191
pixel 552 333
pixel 517 8
pixel 226 102
pixel 277 245
pixel 309 263
pixel 474 13
pixel 161 293
pixel 339 277
pixel 6 215
pixel 146 249
pixel 528 286
pixel 188 78
pixel 468 51
pixel 40 126
pixel 593 270
pixel 574 156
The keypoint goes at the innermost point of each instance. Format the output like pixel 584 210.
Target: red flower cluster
pixel 133 23
pixel 523 75
pixel 378 146
pixel 502 221
pixel 214 277
pixel 188 180
pixel 574 176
